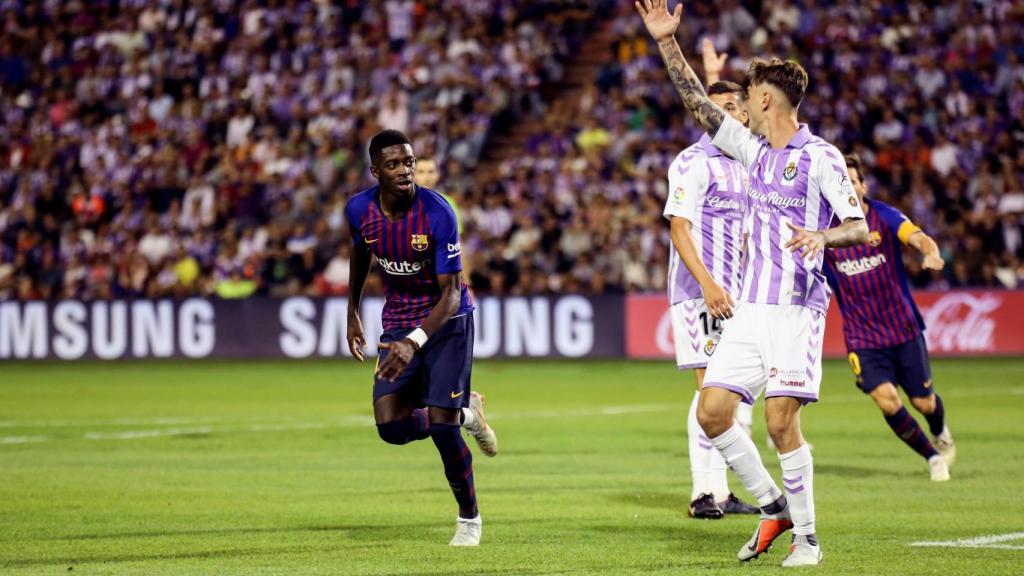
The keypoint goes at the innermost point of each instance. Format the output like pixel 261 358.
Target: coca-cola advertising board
pixel 958 323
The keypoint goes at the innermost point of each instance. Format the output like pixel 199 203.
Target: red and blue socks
pixel 937 419
pixel 904 425
pixel 458 466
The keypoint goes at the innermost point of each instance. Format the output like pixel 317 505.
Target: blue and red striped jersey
pixel 870 283
pixel 411 252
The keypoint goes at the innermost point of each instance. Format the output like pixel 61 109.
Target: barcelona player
pixel 422 382
pixel 883 328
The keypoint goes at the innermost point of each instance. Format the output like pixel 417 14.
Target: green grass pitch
pixel 274 468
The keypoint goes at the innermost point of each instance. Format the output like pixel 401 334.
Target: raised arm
pixel 714 62
pixel 662 27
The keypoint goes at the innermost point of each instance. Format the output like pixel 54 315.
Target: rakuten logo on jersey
pixel 860 265
pixel 402 268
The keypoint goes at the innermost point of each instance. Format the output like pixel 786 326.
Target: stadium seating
pixel 158 149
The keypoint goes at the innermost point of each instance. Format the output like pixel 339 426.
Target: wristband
pixel 418 336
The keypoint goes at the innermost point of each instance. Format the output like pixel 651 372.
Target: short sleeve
pixel 898 223
pixel 834 183
pixel 737 141
pixel 687 184
pixel 353 219
pixel 447 248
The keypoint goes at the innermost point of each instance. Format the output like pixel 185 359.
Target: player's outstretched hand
pixel 356 342
pixel 714 63
pixel 659 22
pixel 933 262
pixel 718 301
pixel 808 243
pixel 400 353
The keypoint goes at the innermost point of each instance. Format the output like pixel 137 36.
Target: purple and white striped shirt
pixel 707 188
pixel 805 184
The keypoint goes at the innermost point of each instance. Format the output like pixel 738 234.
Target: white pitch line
pixel 21 439
pixel 992 541
pixel 137 434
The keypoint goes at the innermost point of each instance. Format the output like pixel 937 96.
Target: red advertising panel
pixel 959 323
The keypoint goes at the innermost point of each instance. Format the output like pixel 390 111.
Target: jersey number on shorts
pixel 716 325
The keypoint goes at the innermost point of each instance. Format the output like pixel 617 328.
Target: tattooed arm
pixel 809 243
pixel 662 26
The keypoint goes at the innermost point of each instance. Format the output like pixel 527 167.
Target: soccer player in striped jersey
pixel 706 206
pixel 883 328
pixel 421 385
pixel 797 183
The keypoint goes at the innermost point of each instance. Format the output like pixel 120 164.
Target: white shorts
pixel 696 333
pixel 775 349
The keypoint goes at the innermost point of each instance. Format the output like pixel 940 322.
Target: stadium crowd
pixel 168 147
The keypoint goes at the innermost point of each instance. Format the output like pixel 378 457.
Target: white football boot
pixel 938 468
pixel 477 426
pixel 944 444
pixel 468 531
pixel 803 552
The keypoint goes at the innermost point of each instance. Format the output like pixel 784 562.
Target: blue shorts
pixel 439 373
pixel 905 365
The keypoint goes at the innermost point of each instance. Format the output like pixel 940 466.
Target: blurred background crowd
pixel 175 147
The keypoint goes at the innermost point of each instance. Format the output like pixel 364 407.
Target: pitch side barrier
pixel 567 326
pixel 960 324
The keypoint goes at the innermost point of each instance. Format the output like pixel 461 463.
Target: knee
pixel 393 433
pixel 448 416
pixel 713 421
pixel 778 428
pixel 784 428
pixel 925 404
pixel 887 399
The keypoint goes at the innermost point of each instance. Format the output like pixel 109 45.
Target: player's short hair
pixel 427 158
pixel 788 76
pixel 385 139
pixel 727 87
pixel 853 163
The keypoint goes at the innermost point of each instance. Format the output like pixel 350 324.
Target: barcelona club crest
pixel 419 242
pixel 709 348
pixel 790 172
pixel 876 238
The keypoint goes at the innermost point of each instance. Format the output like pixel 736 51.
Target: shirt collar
pixel 800 139
pixel 710 148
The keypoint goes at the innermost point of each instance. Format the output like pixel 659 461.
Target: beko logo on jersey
pixel 454 249
pixel 861 265
pixel 776 199
pixel 402 268
pixel 724 203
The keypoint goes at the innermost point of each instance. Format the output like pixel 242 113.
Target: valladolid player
pixel 421 386
pixel 706 206
pixel 883 328
pixel 797 183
